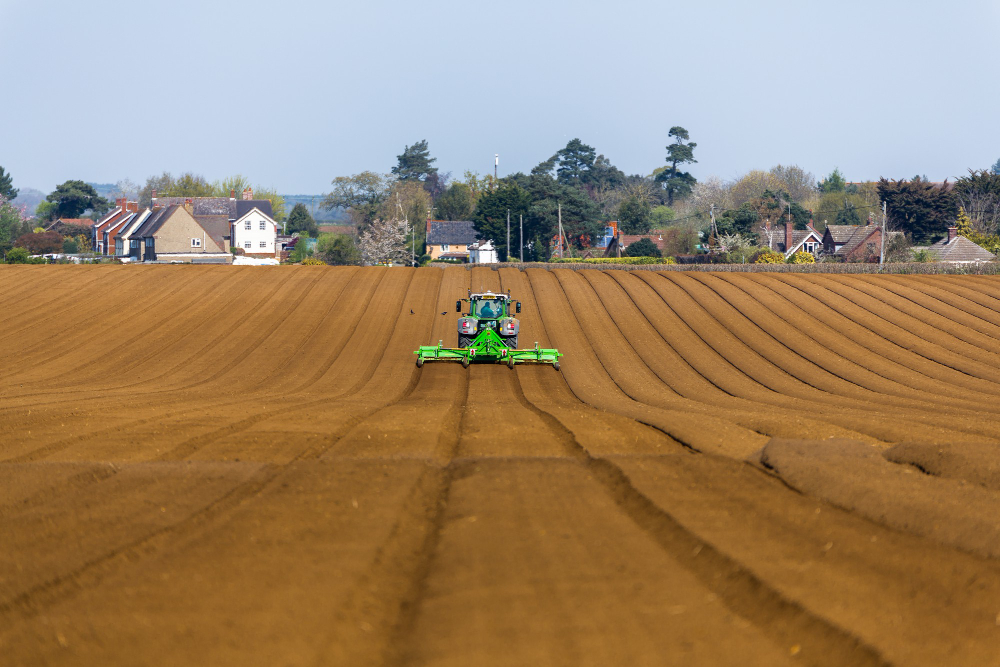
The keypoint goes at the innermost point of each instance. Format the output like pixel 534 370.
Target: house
pixel 482 252
pixel 788 240
pixel 450 239
pixel 103 235
pixel 174 234
pixel 959 250
pixel 214 212
pixel 856 243
pixel 122 239
pixel 256 233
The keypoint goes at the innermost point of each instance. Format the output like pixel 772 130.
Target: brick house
pixel 856 243
pixel 105 229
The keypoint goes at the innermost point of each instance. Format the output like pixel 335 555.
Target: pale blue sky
pixel 292 94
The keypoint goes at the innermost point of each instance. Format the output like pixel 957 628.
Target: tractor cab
pixel 488 306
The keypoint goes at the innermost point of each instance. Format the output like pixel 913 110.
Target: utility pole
pixel 496 166
pixel 560 232
pixel 713 232
pixel 522 238
pixel 508 235
pixel 881 255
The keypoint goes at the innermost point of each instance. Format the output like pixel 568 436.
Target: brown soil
pixel 242 465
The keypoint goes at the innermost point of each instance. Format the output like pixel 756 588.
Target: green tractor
pixel 488 333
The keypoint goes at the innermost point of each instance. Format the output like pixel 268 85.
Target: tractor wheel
pixel 420 362
pixel 464 341
pixel 555 365
pixel 465 362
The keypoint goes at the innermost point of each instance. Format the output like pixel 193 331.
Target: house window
pixel 246 244
pixel 263 225
pixel 445 247
pixel 195 243
pixel 810 246
pixel 263 244
pixel 246 226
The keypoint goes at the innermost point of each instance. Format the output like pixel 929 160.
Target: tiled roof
pixel 154 221
pixel 234 208
pixel 84 222
pixel 959 249
pixel 629 239
pixel 841 233
pixel 217 227
pixel 457 232
pixel 857 237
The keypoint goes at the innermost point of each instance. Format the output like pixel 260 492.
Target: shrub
pixel 801 257
pixel 70 245
pixel 768 256
pixel 312 261
pixel 17 256
pixel 923 255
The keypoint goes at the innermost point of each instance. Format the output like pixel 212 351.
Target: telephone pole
pixel 881 255
pixel 560 232
pixel 522 238
pixel 496 166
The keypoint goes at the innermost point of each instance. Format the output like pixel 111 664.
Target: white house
pixel 256 232
pixel 482 252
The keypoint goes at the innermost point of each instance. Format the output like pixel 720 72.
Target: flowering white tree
pixel 739 247
pixel 384 241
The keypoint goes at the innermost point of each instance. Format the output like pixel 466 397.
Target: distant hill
pixel 30 198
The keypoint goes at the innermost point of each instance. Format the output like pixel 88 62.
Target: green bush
pixel 17 256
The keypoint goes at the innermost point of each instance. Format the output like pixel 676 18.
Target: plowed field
pixel 243 466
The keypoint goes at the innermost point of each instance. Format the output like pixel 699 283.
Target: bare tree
pixel 127 189
pixel 384 241
pixel 796 181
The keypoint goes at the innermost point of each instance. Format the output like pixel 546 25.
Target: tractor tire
pixel 465 362
pixel 420 362
pixel 465 341
pixel 555 365
pixel 511 342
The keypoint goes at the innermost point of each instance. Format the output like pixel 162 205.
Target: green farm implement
pixel 488 333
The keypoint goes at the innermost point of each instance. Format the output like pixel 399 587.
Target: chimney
pixel 154 197
pixel 232 195
pixel 247 194
pixel 189 205
pixel 132 206
pixel 120 203
pixel 428 226
pixel 789 227
pixel 952 233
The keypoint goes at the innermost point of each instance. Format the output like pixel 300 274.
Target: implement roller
pixel 488 333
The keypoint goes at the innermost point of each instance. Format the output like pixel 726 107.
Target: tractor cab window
pixel 490 309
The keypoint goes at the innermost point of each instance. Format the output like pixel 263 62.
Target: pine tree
pixel 299 220
pixel 7 189
pixel 415 163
